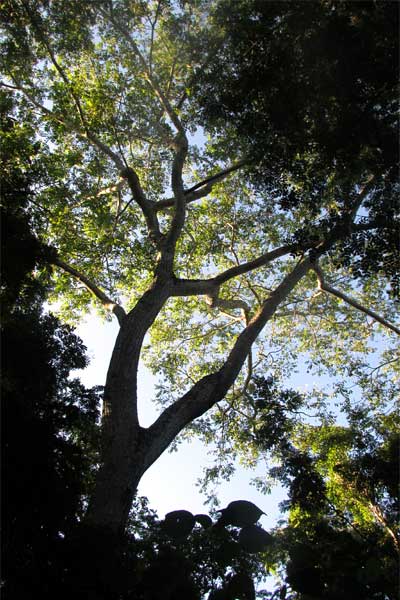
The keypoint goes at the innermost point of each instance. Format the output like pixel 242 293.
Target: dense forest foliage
pixel 220 176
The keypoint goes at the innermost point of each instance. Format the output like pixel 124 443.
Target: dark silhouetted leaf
pixel 254 539
pixel 204 520
pixel 240 513
pixel 178 523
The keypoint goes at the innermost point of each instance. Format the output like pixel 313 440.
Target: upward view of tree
pixel 221 177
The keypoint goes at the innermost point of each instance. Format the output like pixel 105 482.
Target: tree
pixel 341 538
pixel 48 421
pixel 141 216
pixel 319 129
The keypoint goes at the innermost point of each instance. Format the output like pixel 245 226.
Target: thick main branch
pixel 213 387
pixel 178 221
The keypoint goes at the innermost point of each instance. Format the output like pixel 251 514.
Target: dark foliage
pixel 48 421
pixel 326 550
pixel 308 91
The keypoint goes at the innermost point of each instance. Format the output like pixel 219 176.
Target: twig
pixel 325 287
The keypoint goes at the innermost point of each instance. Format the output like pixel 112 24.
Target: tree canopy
pixel 222 178
pixel 309 93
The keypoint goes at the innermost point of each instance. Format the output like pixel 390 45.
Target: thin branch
pixel 169 202
pixel 147 72
pixel 204 187
pixel 104 148
pixel 249 373
pixel 113 307
pixel 37 25
pixel 87 136
pixel 140 198
pixel 375 224
pixel 363 193
pixel 153 27
pixel 257 323
pixel 27 94
pixel 171 74
pixel 237 410
pixel 255 264
pixel 325 287
pixel 384 364
pixel 218 176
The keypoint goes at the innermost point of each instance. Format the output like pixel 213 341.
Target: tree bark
pixel 122 462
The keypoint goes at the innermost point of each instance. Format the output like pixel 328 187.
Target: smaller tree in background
pixel 341 537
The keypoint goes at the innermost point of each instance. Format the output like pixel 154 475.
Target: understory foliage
pixel 220 176
pixel 49 421
pixel 340 538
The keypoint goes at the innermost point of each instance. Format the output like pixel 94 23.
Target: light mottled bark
pixel 122 454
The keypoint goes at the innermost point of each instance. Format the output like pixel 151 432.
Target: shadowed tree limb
pixel 111 306
pixel 218 176
pixel 189 197
pixel 202 188
pixel 146 205
pixel 193 287
pixel 178 221
pixel 325 287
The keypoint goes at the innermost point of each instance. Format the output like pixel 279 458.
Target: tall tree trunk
pixel 122 453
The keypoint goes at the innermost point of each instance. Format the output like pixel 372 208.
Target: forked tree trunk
pixel 129 450
pixel 122 452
